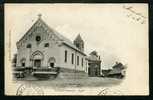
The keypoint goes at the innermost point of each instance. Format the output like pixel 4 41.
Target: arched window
pixel 77 60
pixel 51 62
pixel 72 59
pixel 77 45
pixel 82 62
pixel 65 56
pixel 46 45
pixel 28 45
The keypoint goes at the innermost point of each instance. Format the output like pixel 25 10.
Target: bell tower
pixel 79 43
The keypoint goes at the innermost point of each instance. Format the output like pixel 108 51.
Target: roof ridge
pixel 28 30
pixel 60 36
pixel 65 39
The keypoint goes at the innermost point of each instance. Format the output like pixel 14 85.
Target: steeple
pixel 78 38
pixel 79 43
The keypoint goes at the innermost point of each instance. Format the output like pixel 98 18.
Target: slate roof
pixel 64 40
pixel 93 56
pixel 115 71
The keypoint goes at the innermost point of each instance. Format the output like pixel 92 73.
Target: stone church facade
pixel 42 46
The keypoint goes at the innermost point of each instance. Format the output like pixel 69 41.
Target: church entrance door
pixel 37 59
pixel 37 63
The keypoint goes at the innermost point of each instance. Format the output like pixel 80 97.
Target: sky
pixel 110 29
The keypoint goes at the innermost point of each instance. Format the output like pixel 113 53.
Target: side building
pixel 94 63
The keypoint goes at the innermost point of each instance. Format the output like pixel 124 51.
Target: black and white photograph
pixel 76 49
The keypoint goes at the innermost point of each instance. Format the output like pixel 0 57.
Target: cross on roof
pixel 39 15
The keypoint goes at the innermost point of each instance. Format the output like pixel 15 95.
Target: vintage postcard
pixel 76 49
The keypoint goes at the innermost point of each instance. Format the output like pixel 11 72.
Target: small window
pixel 38 38
pixel 77 60
pixel 28 45
pixel 65 56
pixel 23 64
pixel 52 65
pixel 82 62
pixel 77 45
pixel 72 58
pixel 46 45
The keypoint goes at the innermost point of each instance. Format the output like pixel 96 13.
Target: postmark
pixel 29 89
pixel 109 91
pixel 134 15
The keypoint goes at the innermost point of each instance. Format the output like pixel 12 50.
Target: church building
pixel 42 46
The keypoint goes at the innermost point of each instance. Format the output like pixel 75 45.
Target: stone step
pixel 72 74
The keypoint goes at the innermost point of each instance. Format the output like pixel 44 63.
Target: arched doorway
pixel 51 62
pixel 23 61
pixel 37 58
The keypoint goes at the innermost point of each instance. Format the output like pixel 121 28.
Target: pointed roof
pixel 115 71
pixel 64 40
pixel 94 56
pixel 94 53
pixel 78 38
